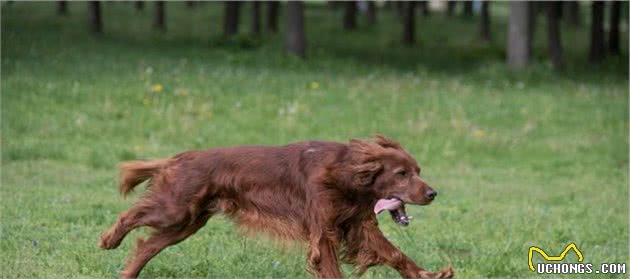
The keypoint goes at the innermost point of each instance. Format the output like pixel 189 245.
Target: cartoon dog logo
pixel 553 258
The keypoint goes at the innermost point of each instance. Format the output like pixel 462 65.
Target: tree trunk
pixel 350 15
pixel 159 22
pixel 518 35
pixel 388 5
pixel 573 13
pixel 468 8
pixel 485 20
pixel 400 8
pixel 450 7
pixel 596 52
pixel 94 17
pixel 230 18
pixel 553 33
pixel 332 5
pixel 424 7
pixel 409 23
pixel 533 11
pixel 139 5
pixel 613 36
pixel 371 12
pixel 272 16
pixel 560 11
pixel 256 17
pixel 295 42
pixel 62 8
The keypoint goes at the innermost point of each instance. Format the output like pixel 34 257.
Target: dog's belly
pixel 279 214
pixel 277 227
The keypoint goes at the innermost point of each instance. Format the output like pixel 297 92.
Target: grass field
pixel 531 158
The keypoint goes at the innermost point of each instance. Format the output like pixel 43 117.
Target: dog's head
pixel 384 168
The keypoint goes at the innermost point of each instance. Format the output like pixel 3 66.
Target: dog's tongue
pixel 389 204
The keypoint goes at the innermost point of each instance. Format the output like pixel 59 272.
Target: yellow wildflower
pixel 157 88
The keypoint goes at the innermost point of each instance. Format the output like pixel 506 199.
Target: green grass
pixel 537 157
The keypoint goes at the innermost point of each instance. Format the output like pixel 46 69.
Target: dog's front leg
pixel 390 255
pixel 322 233
pixel 322 257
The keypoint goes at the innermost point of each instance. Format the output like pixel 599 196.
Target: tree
pixel 424 7
pixel 159 22
pixel 400 8
pixel 553 33
pixel 371 12
pixel 450 7
pixel 519 40
pixel 468 8
pixel 409 23
pixel 295 42
pixel 596 51
pixel 485 20
pixel 139 5
pixel 62 8
pixel 613 35
pixel 256 17
pixel 560 10
pixel 94 17
pixel 230 18
pixel 350 15
pixel 533 11
pixel 388 6
pixel 272 16
pixel 573 13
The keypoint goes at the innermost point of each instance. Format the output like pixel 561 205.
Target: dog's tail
pixel 133 173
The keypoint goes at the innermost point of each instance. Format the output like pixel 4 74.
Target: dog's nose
pixel 431 194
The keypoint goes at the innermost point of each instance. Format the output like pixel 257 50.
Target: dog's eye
pixel 402 173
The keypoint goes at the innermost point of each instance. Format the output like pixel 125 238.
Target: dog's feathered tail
pixel 133 173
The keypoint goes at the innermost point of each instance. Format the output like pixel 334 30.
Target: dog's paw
pixel 442 274
pixel 106 242
pixel 447 272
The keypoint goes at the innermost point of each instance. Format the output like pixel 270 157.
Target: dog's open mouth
pixel 396 208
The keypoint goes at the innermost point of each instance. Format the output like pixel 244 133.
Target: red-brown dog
pixel 325 193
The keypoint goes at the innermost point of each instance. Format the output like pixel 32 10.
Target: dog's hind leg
pixel 126 222
pixel 160 239
pixel 152 211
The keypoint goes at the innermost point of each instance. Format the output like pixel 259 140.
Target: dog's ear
pixel 365 174
pixel 386 142
pixel 362 151
pixel 366 163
